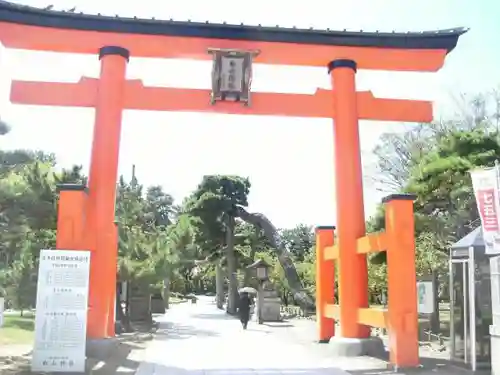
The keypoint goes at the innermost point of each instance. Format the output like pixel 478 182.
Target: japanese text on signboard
pixel 487 209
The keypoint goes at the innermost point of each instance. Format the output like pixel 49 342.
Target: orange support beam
pixel 325 281
pixel 332 312
pixel 401 281
pixel 372 243
pixel 100 229
pixel 373 317
pixel 331 252
pixel 353 276
pixel 61 94
pixel 71 217
pixel 139 97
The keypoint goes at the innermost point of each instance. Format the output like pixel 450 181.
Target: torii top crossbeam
pixel 26 27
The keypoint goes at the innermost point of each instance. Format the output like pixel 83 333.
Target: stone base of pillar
pixel 348 347
pixel 101 349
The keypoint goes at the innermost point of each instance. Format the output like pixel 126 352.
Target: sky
pixel 289 161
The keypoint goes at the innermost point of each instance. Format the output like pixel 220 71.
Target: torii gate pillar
pixel 100 211
pixel 353 280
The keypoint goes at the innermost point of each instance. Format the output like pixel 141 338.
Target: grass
pixel 17 329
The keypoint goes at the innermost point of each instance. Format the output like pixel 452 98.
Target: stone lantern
pixel 268 302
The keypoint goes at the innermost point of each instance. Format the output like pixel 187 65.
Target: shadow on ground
pixel 428 366
pixel 157 369
pixel 114 364
pixel 278 325
pixel 153 368
pixel 117 361
pixel 15 365
pixel 123 357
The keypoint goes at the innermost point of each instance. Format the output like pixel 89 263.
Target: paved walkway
pixel 201 340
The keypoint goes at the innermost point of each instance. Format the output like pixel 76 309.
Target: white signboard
pixel 61 311
pixel 2 301
pixel 425 295
pixel 485 184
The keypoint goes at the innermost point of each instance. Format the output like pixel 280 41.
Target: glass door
pixel 460 312
pixel 483 313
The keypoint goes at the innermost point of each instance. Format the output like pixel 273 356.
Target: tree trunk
pixel 126 312
pixel 435 322
pixel 232 297
pixel 124 319
pixel 248 272
pixel 166 292
pixel 262 222
pixel 219 286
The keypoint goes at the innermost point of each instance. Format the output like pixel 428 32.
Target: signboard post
pixel 428 302
pixel 61 311
pixel 425 293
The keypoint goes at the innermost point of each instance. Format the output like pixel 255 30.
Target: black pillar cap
pixel 114 50
pixel 71 187
pixel 342 63
pixel 399 197
pixel 326 227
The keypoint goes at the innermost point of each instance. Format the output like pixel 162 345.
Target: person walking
pixel 244 309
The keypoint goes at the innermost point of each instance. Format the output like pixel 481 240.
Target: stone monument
pixel 271 303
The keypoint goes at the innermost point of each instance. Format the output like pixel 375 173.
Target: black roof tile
pixel 22 14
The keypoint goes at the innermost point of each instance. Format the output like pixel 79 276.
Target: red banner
pixel 487 209
pixel 486 190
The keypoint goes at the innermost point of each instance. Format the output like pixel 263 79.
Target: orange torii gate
pixel 86 216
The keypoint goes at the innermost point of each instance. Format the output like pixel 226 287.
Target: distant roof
pixel 27 15
pixel 474 239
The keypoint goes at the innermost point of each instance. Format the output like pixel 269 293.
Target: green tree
pixel 445 201
pixel 249 240
pixel 433 161
pixel 150 247
pixel 20 279
pixel 396 153
pixel 160 206
pixel 298 240
pixel 214 205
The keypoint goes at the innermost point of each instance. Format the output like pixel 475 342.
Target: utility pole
pixel 133 181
